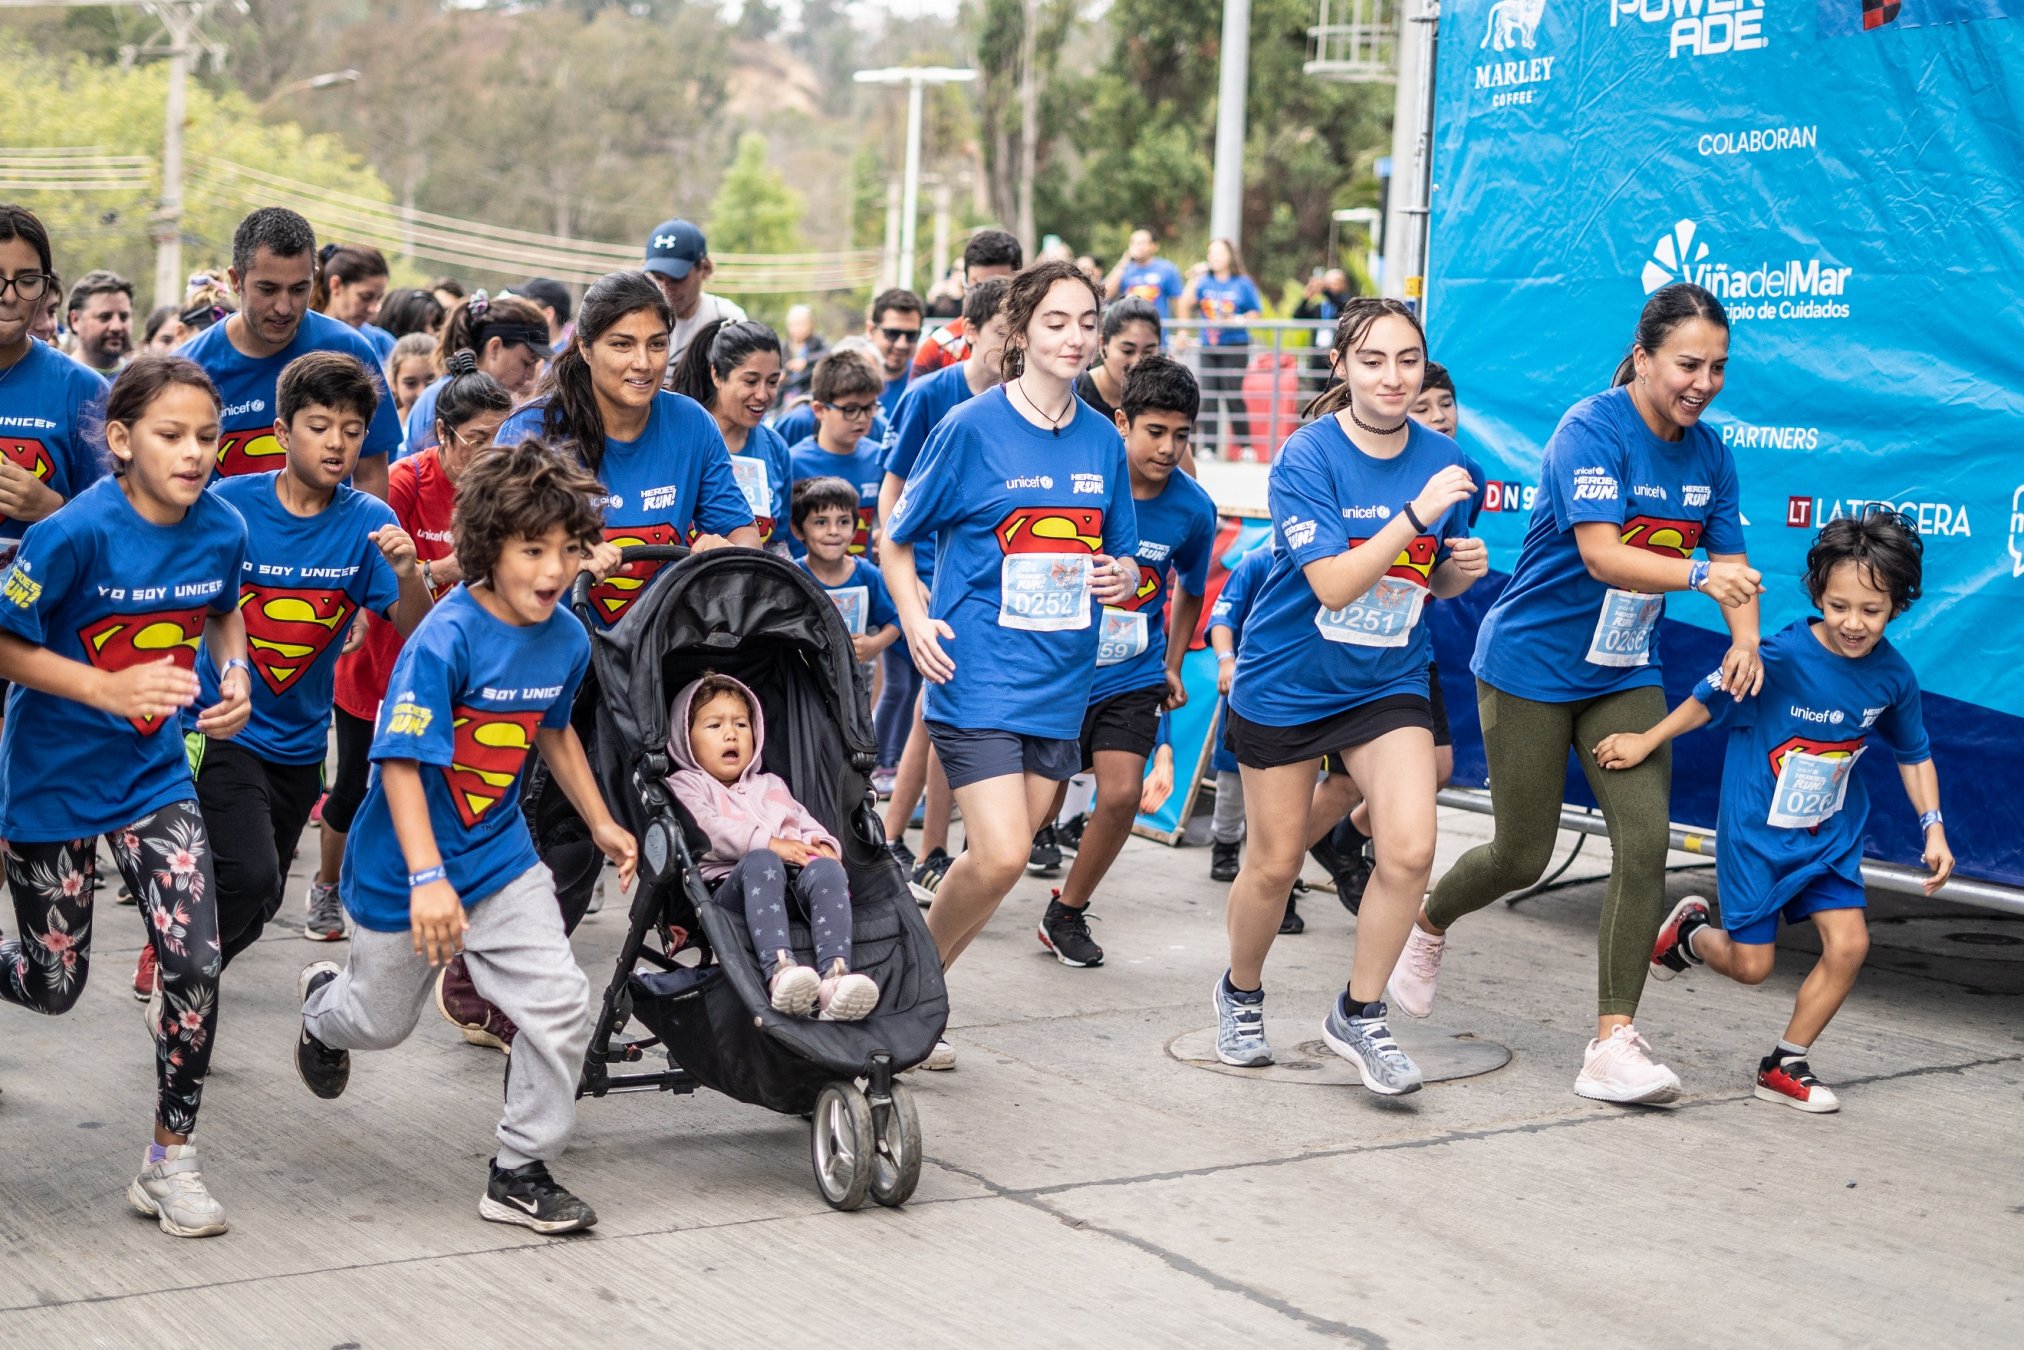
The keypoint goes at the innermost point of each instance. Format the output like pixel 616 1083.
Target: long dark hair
pixel 1668 308
pixel 715 352
pixel 347 263
pixel 1358 315
pixel 470 391
pixel 135 387
pixel 571 417
pixel 18 222
pixel 480 317
pixel 1028 288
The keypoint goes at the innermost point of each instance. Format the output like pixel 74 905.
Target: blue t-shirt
pixel 1790 758
pixel 1300 662
pixel 1240 588
pixel 798 424
pixel 889 397
pixel 246 385
pixel 929 399
pixel 420 432
pixel 860 468
pixel 1019 510
pixel 1220 302
pixel 1556 634
pixel 1156 281
pixel 46 402
pixel 861 598
pixel 464 701
pixel 765 474
pixel 672 483
pixel 380 339
pixel 1177 533
pixel 99 584
pixel 305 579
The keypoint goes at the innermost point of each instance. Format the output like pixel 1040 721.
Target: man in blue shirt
pixel 1143 273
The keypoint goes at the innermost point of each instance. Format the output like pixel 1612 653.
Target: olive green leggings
pixel 1526 744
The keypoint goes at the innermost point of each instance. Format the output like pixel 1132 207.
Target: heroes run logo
pixel 1697 27
pixel 1795 288
pixel 1513 29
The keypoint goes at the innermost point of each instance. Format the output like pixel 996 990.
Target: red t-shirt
pixel 420 494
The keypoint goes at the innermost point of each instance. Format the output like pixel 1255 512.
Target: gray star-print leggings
pixel 824 891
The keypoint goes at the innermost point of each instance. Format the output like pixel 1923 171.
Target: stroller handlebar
pixel 579 591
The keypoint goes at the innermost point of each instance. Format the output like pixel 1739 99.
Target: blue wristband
pixel 237 663
pixel 1928 819
pixel 1697 574
pixel 427 875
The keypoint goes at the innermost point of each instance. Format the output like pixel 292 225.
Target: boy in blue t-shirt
pixel 317 553
pixel 846 395
pixel 439 859
pixel 1139 652
pixel 824 519
pixel 1793 809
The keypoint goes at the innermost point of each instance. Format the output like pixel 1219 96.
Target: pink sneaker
pixel 1411 987
pixel 793 989
pixel 1620 1069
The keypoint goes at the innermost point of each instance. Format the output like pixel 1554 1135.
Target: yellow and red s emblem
pixel 121 640
pixel 1809 745
pixel 1142 594
pixel 249 450
pixel 287 630
pixel 615 594
pixel 487 750
pixel 1667 538
pixel 28 453
pixel 1415 562
pixel 1051 529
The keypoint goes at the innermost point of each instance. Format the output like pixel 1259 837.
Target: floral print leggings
pixel 166 861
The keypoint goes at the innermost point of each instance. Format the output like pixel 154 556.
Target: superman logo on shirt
pixel 28 453
pixel 1667 538
pixel 488 748
pixel 121 640
pixel 1415 562
pixel 287 630
pixel 1809 745
pixel 249 450
pixel 1143 594
pixel 1051 529
pixel 615 594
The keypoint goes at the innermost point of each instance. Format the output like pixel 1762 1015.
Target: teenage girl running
pixel 733 370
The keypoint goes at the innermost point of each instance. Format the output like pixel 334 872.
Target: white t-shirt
pixel 709 309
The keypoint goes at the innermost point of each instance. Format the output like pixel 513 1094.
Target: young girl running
pixel 1028 496
pixel 506 336
pixel 410 368
pixel 100 619
pixel 1631 485
pixel 44 395
pixel 1793 808
pixel 733 370
pixel 1131 332
pixel 1370 510
pixel 666 474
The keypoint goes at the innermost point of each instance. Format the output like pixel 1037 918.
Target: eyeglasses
pixel 29 285
pixel 899 335
pixel 852 411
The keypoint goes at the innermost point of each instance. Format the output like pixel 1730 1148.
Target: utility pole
pixel 180 18
pixel 1029 125
pixel 1226 194
pixel 916 78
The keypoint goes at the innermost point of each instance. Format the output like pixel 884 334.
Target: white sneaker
pixel 1620 1069
pixel 172 1192
pixel 942 1057
pixel 792 990
pixel 846 998
pixel 1411 987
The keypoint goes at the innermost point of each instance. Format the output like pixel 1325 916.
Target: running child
pixel 825 519
pixel 757 831
pixel 1138 657
pixel 45 397
pixel 507 338
pixel 100 618
pixel 440 859
pixel 410 368
pixel 846 395
pixel 318 552
pixel 1793 808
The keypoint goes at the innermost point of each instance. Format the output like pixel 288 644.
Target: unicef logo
pixel 1836 717
pixel 1674 255
pixel 1384 513
pixel 1047 481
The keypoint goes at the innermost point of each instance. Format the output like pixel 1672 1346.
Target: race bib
pixel 1623 628
pixel 853 603
pixel 1811 788
pixel 755 483
pixel 1123 637
pixel 1382 616
pixel 1044 592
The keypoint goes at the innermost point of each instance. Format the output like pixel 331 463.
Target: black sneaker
pixel 323 1071
pixel 1045 859
pixel 1223 860
pixel 1291 922
pixel 903 855
pixel 1069 832
pixel 1350 884
pixel 528 1196
pixel 1065 932
pixel 928 874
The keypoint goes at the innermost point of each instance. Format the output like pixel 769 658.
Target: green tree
pixel 755 211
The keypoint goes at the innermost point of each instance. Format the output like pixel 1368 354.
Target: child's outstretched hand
pixel 397 546
pixel 150 689
pixel 1624 750
pixel 616 843
pixel 1939 859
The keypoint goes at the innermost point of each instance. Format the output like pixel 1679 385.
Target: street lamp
pixel 915 78
pixel 329 79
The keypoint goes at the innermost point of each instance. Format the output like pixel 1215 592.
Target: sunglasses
pixel 898 335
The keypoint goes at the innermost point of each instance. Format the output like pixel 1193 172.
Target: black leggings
pixel 255 813
pixel 354 766
pixel 165 859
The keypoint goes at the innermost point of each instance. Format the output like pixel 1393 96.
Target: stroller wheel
pixel 842 1145
pixel 896 1161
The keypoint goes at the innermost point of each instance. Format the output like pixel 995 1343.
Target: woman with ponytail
pixel 660 456
pixel 733 370
pixel 351 279
pixel 1631 485
pixel 507 338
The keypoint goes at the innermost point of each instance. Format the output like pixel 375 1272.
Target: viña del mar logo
pixel 1795 288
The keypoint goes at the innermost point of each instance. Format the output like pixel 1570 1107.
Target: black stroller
pixel 687 972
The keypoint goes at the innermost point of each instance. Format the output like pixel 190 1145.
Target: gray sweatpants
pixel 519 959
pixel 1226 826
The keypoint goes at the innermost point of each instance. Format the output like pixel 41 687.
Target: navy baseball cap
pixel 674 248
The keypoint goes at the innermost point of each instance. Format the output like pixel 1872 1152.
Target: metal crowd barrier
pixel 1252 392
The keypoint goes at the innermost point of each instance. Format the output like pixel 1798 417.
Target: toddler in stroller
pixel 757 832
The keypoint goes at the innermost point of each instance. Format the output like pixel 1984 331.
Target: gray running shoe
pixel 1367 1043
pixel 1240 1028
pixel 326 914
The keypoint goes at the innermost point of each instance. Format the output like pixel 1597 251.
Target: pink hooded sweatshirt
pixel 738 817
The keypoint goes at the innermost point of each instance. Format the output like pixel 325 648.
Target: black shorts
pixel 1259 746
pixel 1128 721
pixel 1438 706
pixel 972 756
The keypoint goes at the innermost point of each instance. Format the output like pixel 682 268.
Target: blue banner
pixel 1848 176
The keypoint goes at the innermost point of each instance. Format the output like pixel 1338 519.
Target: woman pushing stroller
pixel 756 832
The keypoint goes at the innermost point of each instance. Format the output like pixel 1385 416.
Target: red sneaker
pixel 1670 953
pixel 1793 1084
pixel 457 999
pixel 145 975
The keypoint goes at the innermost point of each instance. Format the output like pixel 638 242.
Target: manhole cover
pixel 1442 1055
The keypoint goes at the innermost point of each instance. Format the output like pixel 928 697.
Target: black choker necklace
pixel 1054 420
pixel 1376 431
